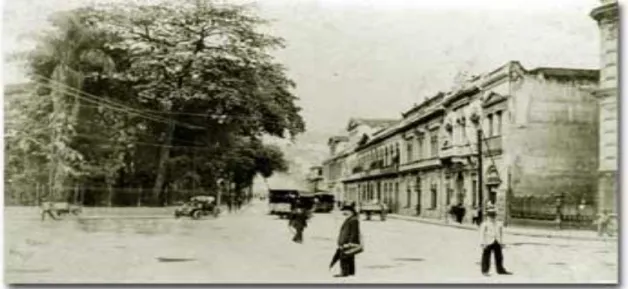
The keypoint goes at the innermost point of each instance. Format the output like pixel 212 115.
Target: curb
pixel 473 228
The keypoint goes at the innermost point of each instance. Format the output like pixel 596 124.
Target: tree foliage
pixel 158 96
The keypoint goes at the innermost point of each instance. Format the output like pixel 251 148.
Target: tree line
pixel 171 95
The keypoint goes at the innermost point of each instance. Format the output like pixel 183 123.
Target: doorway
pixel 460 189
pixel 418 196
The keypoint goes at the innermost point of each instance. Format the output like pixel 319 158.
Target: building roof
pixel 473 85
pixel 427 102
pixel 567 73
pixel 372 122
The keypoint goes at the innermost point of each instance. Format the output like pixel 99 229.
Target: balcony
pixel 420 164
pixel 383 170
pixel 446 151
pixel 492 146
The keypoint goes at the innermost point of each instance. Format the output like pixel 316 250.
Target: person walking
pixel 229 202
pixel 239 201
pixel 349 241
pixel 47 208
pixel 491 234
pixel 298 221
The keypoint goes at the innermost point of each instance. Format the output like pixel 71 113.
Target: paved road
pixel 251 246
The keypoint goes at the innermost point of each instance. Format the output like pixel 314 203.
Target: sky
pixel 372 58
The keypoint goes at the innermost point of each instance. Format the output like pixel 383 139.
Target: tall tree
pixel 60 61
pixel 200 57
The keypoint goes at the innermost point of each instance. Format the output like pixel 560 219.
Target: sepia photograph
pixel 311 142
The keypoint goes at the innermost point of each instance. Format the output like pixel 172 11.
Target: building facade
pixel 607 17
pixel 341 148
pixel 315 179
pixel 538 131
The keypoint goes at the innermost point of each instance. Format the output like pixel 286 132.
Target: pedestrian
pixel 239 201
pixel 298 221
pixel 47 208
pixel 491 234
pixel 349 241
pixel 229 203
pixel 476 216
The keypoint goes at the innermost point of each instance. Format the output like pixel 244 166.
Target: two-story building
pixel 607 17
pixel 341 158
pixel 538 133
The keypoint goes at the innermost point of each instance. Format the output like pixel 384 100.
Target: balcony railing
pixel 420 164
pixel 446 151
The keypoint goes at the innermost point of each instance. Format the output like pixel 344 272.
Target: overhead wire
pixel 147 113
pixel 88 136
pixel 113 105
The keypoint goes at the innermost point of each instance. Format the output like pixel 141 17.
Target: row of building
pixel 545 138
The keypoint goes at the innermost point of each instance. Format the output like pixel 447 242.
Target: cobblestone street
pixel 251 246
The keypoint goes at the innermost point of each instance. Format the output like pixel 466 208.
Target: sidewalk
pixel 517 230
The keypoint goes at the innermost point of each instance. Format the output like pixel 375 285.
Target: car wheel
pixel 196 214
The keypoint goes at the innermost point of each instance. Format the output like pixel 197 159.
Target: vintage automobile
pixel 373 207
pixel 324 202
pixel 281 202
pixel 198 207
pixel 59 209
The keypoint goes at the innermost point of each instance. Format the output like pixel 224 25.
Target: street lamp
pixel 475 119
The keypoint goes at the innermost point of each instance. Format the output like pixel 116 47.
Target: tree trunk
pixel 161 169
pixel 66 108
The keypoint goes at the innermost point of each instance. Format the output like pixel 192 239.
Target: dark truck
pixel 280 202
pixel 324 202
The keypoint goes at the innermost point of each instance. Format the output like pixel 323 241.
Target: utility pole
pixel 480 177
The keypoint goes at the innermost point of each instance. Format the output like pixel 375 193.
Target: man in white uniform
pixel 491 233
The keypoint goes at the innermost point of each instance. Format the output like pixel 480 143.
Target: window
pixel 448 195
pixel 499 123
pixel 434 143
pixel 397 154
pixel 490 125
pixel 410 151
pixel 434 197
pixel 453 136
pixel 474 192
pixel 420 148
pixel 409 195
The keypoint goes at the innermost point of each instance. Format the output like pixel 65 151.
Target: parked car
pixel 372 207
pixel 198 207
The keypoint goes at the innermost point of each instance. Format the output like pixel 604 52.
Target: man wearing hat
pixel 298 221
pixel 491 233
pixel 349 243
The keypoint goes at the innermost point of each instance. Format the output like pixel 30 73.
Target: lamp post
pixel 475 118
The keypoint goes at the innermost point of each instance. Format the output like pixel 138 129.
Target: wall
pixel 555 148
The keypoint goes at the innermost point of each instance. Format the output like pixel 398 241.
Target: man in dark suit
pixel 298 220
pixel 349 236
